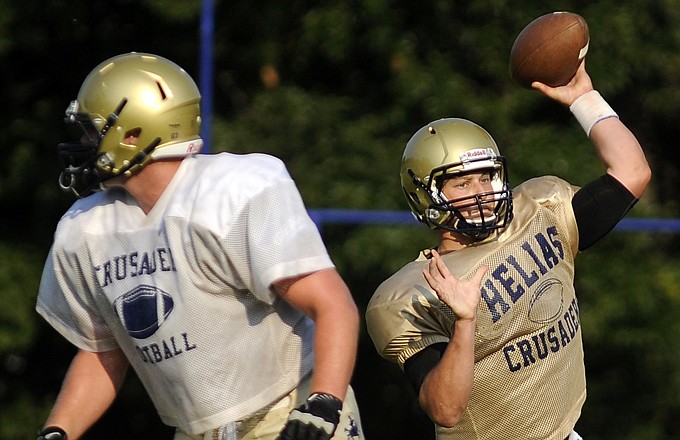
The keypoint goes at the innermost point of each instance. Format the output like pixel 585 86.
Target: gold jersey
pixel 529 378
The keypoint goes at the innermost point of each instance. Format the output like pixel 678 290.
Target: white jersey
pixel 185 290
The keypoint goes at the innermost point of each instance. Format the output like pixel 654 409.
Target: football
pixel 549 49
pixel 143 310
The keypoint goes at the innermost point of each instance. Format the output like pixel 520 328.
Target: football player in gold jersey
pixel 486 325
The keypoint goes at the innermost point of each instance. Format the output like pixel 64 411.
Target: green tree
pixel 335 88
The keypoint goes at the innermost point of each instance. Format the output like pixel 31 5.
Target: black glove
pixel 316 419
pixel 52 433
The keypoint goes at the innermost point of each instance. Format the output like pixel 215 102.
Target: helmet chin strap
pixel 482 221
pixel 470 228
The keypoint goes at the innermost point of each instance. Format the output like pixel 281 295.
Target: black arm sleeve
pixel 598 207
pixel 420 364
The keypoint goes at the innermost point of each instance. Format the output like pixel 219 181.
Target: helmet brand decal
pixel 477 153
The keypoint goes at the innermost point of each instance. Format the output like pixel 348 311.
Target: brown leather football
pixel 549 49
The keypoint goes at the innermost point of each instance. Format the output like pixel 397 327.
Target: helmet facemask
pixel 475 215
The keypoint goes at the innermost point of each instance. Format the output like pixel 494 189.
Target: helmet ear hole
pixel 134 132
pixel 131 136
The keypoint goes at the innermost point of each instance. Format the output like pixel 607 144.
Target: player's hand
pixel 316 419
pixel 568 93
pixel 462 296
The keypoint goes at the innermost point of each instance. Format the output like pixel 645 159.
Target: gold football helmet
pixel 446 148
pixel 132 108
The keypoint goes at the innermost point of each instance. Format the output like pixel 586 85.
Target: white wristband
pixel 591 108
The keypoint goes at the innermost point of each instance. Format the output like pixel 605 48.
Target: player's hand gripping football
pixel 316 419
pixel 461 295
pixel 567 94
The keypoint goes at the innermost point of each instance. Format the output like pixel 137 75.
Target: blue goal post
pixel 365 217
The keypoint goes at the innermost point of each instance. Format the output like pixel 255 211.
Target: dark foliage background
pixel 336 88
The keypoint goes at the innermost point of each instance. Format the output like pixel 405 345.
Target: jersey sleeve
pixel 555 195
pixel 65 303
pixel 403 327
pixel 282 239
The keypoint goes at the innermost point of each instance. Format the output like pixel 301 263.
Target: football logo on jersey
pixel 547 302
pixel 143 310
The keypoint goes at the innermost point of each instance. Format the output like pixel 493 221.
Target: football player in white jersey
pixel 486 324
pixel 203 272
